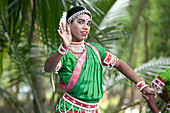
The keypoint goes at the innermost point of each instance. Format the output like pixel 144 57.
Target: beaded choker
pixel 77 47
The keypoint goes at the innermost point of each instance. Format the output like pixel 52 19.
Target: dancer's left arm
pixel 130 74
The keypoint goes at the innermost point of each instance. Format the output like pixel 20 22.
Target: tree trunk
pixel 134 31
pixel 135 27
pixel 39 102
pixel 122 97
pixel 38 81
pixel 37 78
pixel 145 41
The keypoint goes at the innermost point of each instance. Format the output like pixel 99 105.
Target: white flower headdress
pixel 63 18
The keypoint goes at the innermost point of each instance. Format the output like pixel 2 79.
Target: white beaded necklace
pixel 77 47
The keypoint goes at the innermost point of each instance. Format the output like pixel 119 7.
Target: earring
pixel 86 37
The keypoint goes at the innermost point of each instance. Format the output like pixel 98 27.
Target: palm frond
pixel 48 22
pixel 9 98
pixel 153 67
pixel 11 28
pixel 111 28
pixel 115 13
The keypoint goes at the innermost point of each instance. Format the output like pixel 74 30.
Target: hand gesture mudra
pixel 149 91
pixel 65 35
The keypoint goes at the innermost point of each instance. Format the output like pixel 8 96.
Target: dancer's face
pixel 80 27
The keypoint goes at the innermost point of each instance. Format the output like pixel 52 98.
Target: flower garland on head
pixel 63 18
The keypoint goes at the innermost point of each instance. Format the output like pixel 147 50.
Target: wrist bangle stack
pixel 140 85
pixel 62 50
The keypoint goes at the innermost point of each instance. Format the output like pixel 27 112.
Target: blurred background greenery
pixel 136 31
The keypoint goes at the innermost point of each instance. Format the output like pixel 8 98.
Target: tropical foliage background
pixel 136 31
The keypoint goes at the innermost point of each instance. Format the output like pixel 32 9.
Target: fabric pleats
pixel 89 84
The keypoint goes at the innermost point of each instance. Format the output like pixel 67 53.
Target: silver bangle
pixel 141 85
pixel 62 50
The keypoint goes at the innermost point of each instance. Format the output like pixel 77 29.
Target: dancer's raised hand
pixel 65 35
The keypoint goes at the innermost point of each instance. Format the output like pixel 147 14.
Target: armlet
pixel 110 60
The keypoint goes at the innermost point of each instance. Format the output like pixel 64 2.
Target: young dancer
pixel 162 83
pixel 79 65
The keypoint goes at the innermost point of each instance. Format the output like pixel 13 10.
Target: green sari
pixel 88 87
pixel 89 84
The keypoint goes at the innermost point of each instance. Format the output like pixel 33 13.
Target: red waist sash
pixel 90 107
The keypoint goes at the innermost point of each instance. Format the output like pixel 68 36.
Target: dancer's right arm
pixel 53 60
